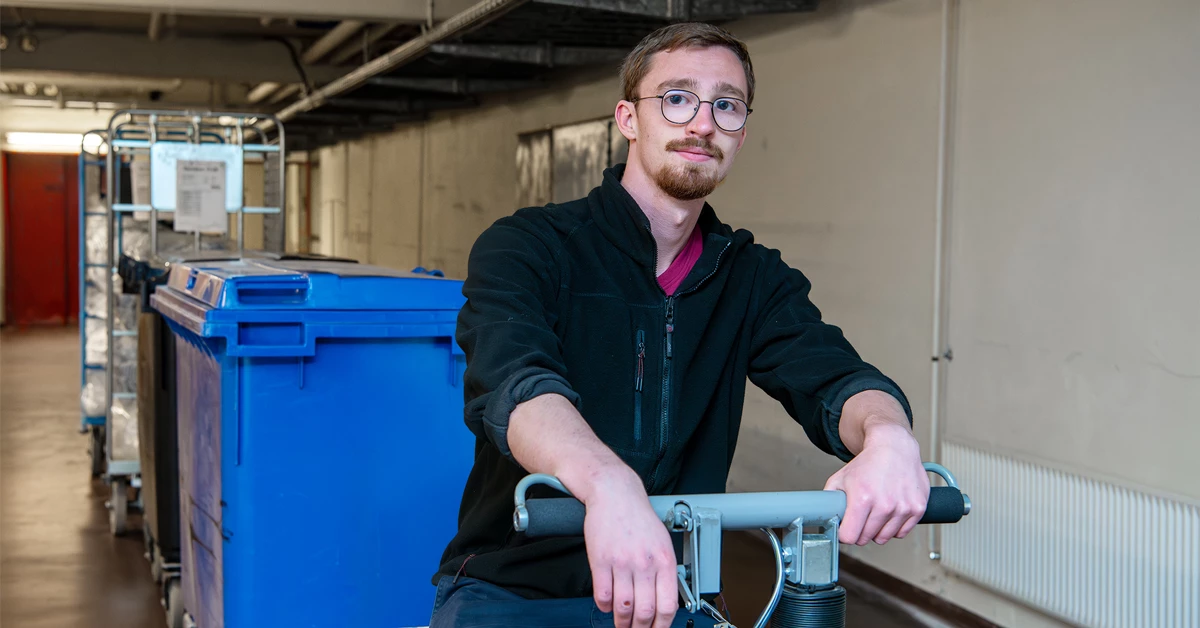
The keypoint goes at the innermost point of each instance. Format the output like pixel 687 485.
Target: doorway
pixel 41 239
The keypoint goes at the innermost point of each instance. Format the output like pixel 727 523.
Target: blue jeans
pixel 471 603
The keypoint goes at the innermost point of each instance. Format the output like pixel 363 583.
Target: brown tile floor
pixel 59 565
pixel 61 568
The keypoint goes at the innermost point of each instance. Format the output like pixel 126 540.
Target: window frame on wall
pixel 564 162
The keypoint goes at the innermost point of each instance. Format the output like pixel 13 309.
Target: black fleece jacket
pixel 563 299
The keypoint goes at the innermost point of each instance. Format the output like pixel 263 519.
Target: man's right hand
pixel 631 555
pixel 629 549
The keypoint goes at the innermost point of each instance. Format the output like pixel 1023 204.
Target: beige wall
pixel 423 193
pixel 3 221
pixel 1076 205
pixel 253 186
pixel 329 214
pixel 396 175
pixel 1070 146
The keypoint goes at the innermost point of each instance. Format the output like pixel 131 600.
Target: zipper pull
pixel 641 356
pixel 670 322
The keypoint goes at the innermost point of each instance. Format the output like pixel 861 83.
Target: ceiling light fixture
pixel 27 142
pixel 29 43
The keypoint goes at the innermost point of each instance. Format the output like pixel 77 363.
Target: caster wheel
pixel 148 544
pixel 96 451
pixel 118 508
pixel 174 604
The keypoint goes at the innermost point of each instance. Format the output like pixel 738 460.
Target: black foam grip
pixel 946 505
pixel 557 516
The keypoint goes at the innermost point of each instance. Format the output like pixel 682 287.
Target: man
pixel 608 343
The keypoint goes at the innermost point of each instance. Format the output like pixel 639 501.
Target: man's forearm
pixel 870 414
pixel 548 435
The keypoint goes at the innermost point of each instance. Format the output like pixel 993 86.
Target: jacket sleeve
pixel 806 364
pixel 505 328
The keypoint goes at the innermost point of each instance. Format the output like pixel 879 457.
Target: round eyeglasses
pixel 679 106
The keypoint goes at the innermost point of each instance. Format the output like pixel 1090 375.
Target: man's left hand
pixel 887 489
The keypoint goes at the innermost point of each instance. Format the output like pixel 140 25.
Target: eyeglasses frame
pixel 711 103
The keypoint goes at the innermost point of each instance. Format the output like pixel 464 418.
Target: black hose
pixel 306 85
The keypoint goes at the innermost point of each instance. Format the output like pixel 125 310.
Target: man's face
pixel 688 160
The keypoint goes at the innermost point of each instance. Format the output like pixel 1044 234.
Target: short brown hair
pixel 669 38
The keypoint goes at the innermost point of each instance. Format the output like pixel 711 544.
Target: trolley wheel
pixel 118 507
pixel 96 451
pixel 174 603
pixel 148 544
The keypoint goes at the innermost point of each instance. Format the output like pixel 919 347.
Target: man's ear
pixel 626 117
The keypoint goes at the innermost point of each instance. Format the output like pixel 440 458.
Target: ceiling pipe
pixel 261 92
pixel 287 92
pixel 334 38
pixel 373 35
pixel 475 16
pixel 323 46
pixel 155 31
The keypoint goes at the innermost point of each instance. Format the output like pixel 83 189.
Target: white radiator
pixel 1089 552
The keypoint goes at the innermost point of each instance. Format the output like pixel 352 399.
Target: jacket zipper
pixel 665 414
pixel 667 355
pixel 639 378
pixel 666 383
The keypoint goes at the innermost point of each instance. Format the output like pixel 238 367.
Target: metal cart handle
pixel 563 516
pixel 808 562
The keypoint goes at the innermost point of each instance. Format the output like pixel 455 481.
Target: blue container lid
pixel 254 284
pixel 246 301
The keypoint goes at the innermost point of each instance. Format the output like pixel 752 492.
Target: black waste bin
pixel 158 450
pixel 157 432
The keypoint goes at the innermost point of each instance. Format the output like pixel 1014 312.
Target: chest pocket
pixel 610 354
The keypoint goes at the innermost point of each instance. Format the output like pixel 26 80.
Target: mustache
pixel 697 142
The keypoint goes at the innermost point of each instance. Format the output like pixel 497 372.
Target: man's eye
pixel 725 105
pixel 675 99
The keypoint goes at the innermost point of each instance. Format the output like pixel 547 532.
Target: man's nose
pixel 702 123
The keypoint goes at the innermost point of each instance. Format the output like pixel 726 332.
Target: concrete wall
pixel 1075 204
pixel 252 196
pixel 1064 154
pixel 396 171
pixel 303 184
pixel 3 222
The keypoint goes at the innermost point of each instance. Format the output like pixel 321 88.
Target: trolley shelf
pixel 126 207
pixel 250 148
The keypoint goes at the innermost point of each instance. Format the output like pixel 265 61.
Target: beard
pixel 689 182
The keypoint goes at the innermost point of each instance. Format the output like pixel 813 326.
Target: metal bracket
pixel 700 572
pixel 811 559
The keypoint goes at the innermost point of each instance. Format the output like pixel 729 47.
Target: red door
pixel 41 245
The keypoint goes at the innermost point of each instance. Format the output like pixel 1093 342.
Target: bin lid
pixel 308 284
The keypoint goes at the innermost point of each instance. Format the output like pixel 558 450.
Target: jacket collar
pixel 623 223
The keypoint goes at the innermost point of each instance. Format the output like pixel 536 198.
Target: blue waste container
pixel 322 452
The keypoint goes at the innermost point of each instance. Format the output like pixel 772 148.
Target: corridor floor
pixel 61 568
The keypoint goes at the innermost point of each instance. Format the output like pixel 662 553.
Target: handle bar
pixel 811 558
pixel 563 516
